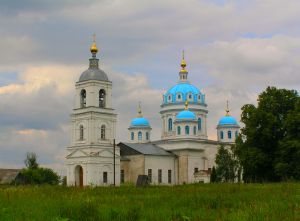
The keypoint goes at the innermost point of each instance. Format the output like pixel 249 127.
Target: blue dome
pixel 182 92
pixel 228 120
pixel 186 115
pixel 140 122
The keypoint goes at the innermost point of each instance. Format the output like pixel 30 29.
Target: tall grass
pixel 187 202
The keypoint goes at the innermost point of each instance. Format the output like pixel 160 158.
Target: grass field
pixel 188 202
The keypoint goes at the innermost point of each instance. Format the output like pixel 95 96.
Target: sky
pixel 233 50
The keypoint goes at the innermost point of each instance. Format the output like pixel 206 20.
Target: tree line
pixel 268 146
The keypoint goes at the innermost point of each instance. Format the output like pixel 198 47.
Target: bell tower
pixel 90 159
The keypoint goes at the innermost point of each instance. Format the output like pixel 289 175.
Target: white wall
pixel 164 163
pixel 225 132
pixel 136 130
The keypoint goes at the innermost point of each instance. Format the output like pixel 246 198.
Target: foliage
pixel 213 175
pixel 34 174
pixel 227 166
pixel 269 147
pixel 156 203
pixel 31 161
pixel 40 176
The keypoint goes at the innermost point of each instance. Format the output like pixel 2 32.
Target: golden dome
pixel 93 47
pixel 186 105
pixel 183 63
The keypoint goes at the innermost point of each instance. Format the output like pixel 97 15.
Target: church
pixel 184 154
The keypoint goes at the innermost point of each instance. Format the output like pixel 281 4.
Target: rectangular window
pixel 169 176
pixel 159 176
pixel 229 134
pixel 104 177
pixel 150 175
pixel 122 178
pixel 196 170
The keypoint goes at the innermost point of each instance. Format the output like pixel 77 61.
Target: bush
pixel 38 176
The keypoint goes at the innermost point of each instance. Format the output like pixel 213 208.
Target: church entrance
pixel 78 176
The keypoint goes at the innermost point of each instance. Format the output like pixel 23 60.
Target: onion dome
pixel 186 114
pixel 93 72
pixel 139 121
pixel 184 90
pixel 227 119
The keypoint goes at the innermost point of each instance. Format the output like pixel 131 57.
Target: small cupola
pixel 186 123
pixel 228 127
pixel 139 129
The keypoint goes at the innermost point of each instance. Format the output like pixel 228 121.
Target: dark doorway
pixel 78 176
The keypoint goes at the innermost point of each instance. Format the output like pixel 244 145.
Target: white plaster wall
pixel 136 130
pixel 182 125
pixel 170 111
pixel 92 93
pixel 225 131
pixel 93 168
pixel 164 163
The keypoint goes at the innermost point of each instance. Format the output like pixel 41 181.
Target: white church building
pixel 184 154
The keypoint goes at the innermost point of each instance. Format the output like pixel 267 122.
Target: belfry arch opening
pixel 78 176
pixel 83 98
pixel 102 99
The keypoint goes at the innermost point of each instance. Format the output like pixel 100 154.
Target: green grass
pixel 187 202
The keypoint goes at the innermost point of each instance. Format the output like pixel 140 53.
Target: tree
pixel 227 165
pixel 270 136
pixel 34 174
pixel 213 175
pixel 31 161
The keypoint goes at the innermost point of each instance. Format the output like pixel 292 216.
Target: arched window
pixel 169 98
pixel 236 134
pixel 187 130
pixel 229 134
pixel 195 130
pixel 132 135
pixel 83 98
pixel 102 132
pixel 179 96
pixel 140 135
pixel 147 135
pixel 190 97
pixel 199 124
pixel 170 124
pixel 102 98
pixel 178 130
pixel 222 135
pixel 81 132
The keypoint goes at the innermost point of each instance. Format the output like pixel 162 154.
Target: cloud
pixel 255 62
pixel 34 114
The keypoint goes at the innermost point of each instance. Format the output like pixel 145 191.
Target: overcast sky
pixel 234 50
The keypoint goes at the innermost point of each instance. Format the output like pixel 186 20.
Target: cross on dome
pixel 139 110
pixel 227 109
